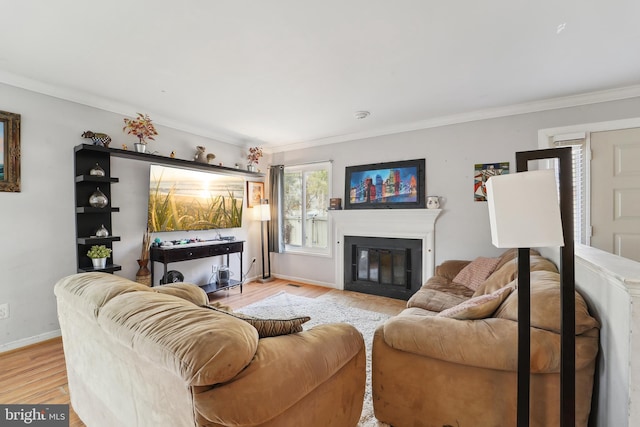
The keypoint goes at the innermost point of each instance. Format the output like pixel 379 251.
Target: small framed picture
pixel 255 192
pixel 484 171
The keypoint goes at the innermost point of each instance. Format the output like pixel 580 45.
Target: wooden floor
pixel 36 374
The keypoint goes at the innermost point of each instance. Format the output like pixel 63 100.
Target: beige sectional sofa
pixel 450 358
pixel 139 356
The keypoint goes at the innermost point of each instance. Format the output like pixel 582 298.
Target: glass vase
pixel 98 199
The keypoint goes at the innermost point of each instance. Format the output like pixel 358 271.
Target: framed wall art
pixel 392 185
pixel 255 192
pixel 9 152
pixel 484 171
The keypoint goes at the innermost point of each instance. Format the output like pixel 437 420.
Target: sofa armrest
pixel 284 370
pixel 451 268
pixel 490 343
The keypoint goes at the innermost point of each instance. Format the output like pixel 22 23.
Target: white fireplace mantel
pixel 392 223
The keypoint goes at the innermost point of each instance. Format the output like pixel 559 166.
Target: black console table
pixel 177 253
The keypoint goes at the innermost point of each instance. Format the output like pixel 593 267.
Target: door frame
pixel 547 136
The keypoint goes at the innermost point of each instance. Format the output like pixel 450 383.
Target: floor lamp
pixel 264 216
pixel 524 213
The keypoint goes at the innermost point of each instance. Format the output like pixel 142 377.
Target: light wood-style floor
pixel 36 374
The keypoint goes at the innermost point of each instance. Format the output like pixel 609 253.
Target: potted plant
pixel 99 255
pixel 143 128
pixel 254 156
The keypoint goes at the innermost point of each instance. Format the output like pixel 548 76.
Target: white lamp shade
pixel 262 212
pixel 524 210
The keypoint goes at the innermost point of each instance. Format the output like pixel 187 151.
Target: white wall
pixel 37 225
pixel 462 230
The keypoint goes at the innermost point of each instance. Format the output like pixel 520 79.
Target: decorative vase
pixel 98 199
pixel 251 167
pixel 99 262
pixel 433 202
pixel 140 148
pixel 143 276
pixel 102 231
pixel 97 171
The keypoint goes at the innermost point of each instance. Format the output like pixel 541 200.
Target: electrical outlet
pixel 4 311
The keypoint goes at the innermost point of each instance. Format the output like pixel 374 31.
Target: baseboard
pixel 29 341
pixel 305 280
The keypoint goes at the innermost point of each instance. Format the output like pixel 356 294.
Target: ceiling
pixel 284 73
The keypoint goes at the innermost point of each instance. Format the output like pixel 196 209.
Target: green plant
pixel 141 126
pixel 99 251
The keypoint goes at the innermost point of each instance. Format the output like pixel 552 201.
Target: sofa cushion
pixel 201 346
pixel 511 254
pixel 450 268
pixel 187 291
pixel 508 272
pixel 268 327
pixel 479 307
pixel 476 272
pixel 93 290
pixel 439 294
pixel 545 305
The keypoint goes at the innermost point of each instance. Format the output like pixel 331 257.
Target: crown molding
pixel 113 106
pixel 484 114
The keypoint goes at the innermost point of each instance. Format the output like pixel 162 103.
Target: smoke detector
pixel 361 114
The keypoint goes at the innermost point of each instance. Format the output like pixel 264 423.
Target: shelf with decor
pixel 95 240
pixel 162 160
pixel 89 218
pixel 93 223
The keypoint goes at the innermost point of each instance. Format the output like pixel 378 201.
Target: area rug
pixel 321 311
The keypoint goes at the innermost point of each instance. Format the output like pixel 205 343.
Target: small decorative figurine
pixel 200 157
pixel 172 155
pixel 433 202
pixel 124 147
pixel 210 158
pixel 101 139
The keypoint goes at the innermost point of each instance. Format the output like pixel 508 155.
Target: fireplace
pixel 411 224
pixel 389 267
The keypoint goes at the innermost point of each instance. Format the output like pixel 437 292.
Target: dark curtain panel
pixel 276 200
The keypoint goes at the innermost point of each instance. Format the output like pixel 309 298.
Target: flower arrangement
pixel 141 126
pixel 254 155
pixel 99 251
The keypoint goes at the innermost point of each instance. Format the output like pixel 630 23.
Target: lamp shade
pixel 262 212
pixel 524 210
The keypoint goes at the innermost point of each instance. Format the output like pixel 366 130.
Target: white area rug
pixel 321 311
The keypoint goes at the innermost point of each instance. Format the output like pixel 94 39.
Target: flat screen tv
pixel 391 185
pixel 183 200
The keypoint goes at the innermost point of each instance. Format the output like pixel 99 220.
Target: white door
pixel 615 192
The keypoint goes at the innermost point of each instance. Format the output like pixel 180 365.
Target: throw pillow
pixel 479 307
pixel 476 272
pixel 268 327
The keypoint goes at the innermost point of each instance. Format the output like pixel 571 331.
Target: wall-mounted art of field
pixel 182 199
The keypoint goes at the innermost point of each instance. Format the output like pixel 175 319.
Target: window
pixel 578 149
pixel 306 203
